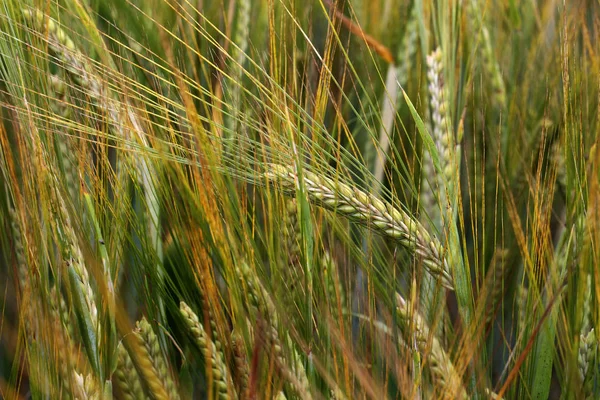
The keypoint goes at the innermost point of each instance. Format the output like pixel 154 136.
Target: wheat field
pixel 299 199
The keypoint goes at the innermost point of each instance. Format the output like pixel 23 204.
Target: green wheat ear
pixel 127 377
pixel 262 305
pixel 440 363
pixel 370 211
pixel 147 366
pixel 159 363
pixel 213 358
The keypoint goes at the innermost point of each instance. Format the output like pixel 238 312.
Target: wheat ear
pixel 333 286
pixel 370 211
pixel 129 130
pixel 19 249
pixel 262 304
pixel 159 363
pixel 126 376
pixel 588 350
pixel 588 342
pixel 65 349
pixel 441 366
pixel 293 373
pixel 64 142
pixel 490 63
pixel 495 283
pixel 120 115
pixel 146 367
pixel 240 361
pixel 440 118
pixel 291 230
pixel 241 34
pixel 212 356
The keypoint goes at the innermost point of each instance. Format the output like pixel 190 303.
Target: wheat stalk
pixel 370 211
